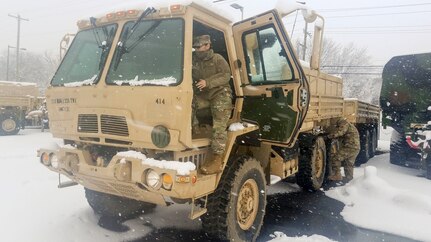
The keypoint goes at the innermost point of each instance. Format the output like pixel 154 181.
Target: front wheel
pixel 114 206
pixel 237 207
pixel 8 125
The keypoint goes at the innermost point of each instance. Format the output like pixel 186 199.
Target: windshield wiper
pixel 121 46
pixel 105 44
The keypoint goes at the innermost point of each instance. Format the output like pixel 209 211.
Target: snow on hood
pixel 182 168
pixel 166 81
pixel 81 83
pixel 281 237
pixel 34 113
pixel 371 203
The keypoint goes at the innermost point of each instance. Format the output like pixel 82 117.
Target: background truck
pixel 16 100
pixel 406 103
pixel 122 101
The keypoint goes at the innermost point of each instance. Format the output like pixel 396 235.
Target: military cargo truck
pixel 406 103
pixel 16 99
pixel 122 102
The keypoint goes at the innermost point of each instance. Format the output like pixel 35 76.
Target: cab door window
pixel 267 61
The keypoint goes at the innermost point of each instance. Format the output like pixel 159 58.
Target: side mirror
pixel 309 15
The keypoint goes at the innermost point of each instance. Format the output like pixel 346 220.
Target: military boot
pixel 335 176
pixel 213 165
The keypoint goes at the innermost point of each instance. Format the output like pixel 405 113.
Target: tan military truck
pixel 16 100
pixel 121 100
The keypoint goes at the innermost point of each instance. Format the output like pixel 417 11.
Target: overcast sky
pixel 385 27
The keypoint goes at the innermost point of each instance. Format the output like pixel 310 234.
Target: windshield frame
pixel 120 33
pixel 99 74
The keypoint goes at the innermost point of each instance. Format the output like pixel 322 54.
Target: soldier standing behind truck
pixel 212 74
pixel 349 146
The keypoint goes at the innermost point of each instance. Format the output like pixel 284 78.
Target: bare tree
pixel 351 64
pixel 37 68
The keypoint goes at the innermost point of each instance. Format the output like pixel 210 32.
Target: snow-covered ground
pixel 389 198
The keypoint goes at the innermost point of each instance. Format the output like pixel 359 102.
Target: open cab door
pixel 274 86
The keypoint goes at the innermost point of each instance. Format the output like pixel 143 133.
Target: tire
pixel 364 153
pixel 114 206
pixel 312 165
pixel 428 164
pixel 373 142
pixel 400 151
pixel 9 125
pixel 242 187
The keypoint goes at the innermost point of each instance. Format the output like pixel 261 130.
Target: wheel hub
pixel 318 166
pixel 8 125
pixel 247 204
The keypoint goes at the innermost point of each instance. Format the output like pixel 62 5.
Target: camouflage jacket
pixel 215 70
pixel 348 136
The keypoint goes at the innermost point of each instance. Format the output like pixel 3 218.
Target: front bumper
pixel 125 176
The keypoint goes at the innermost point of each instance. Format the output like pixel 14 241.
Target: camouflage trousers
pixel 344 157
pixel 221 108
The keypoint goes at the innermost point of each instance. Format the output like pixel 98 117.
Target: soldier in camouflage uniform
pixel 349 146
pixel 211 74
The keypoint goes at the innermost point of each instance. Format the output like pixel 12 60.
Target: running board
pixel 197 209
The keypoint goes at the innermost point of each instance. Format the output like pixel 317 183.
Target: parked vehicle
pixel 122 101
pixel 406 103
pixel 16 100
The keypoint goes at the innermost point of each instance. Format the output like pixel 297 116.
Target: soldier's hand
pixel 201 84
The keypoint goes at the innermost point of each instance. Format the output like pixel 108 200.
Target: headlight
pixel 152 179
pixel 45 159
pixel 53 159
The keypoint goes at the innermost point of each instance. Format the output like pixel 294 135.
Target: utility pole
pixel 18 17
pixel 7 62
pixel 304 47
pixel 304 44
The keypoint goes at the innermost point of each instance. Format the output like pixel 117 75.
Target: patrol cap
pixel 201 40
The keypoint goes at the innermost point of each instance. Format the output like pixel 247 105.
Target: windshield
pixel 151 55
pixel 86 57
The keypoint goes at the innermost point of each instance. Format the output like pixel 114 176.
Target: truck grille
pixel 114 125
pixel 87 123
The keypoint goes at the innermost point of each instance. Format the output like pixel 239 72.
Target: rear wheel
pixel 373 142
pixel 312 165
pixel 114 206
pixel 364 153
pixel 8 125
pixel 428 164
pixel 400 152
pixel 237 207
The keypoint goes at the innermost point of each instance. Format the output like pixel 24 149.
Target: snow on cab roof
pixel 9 83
